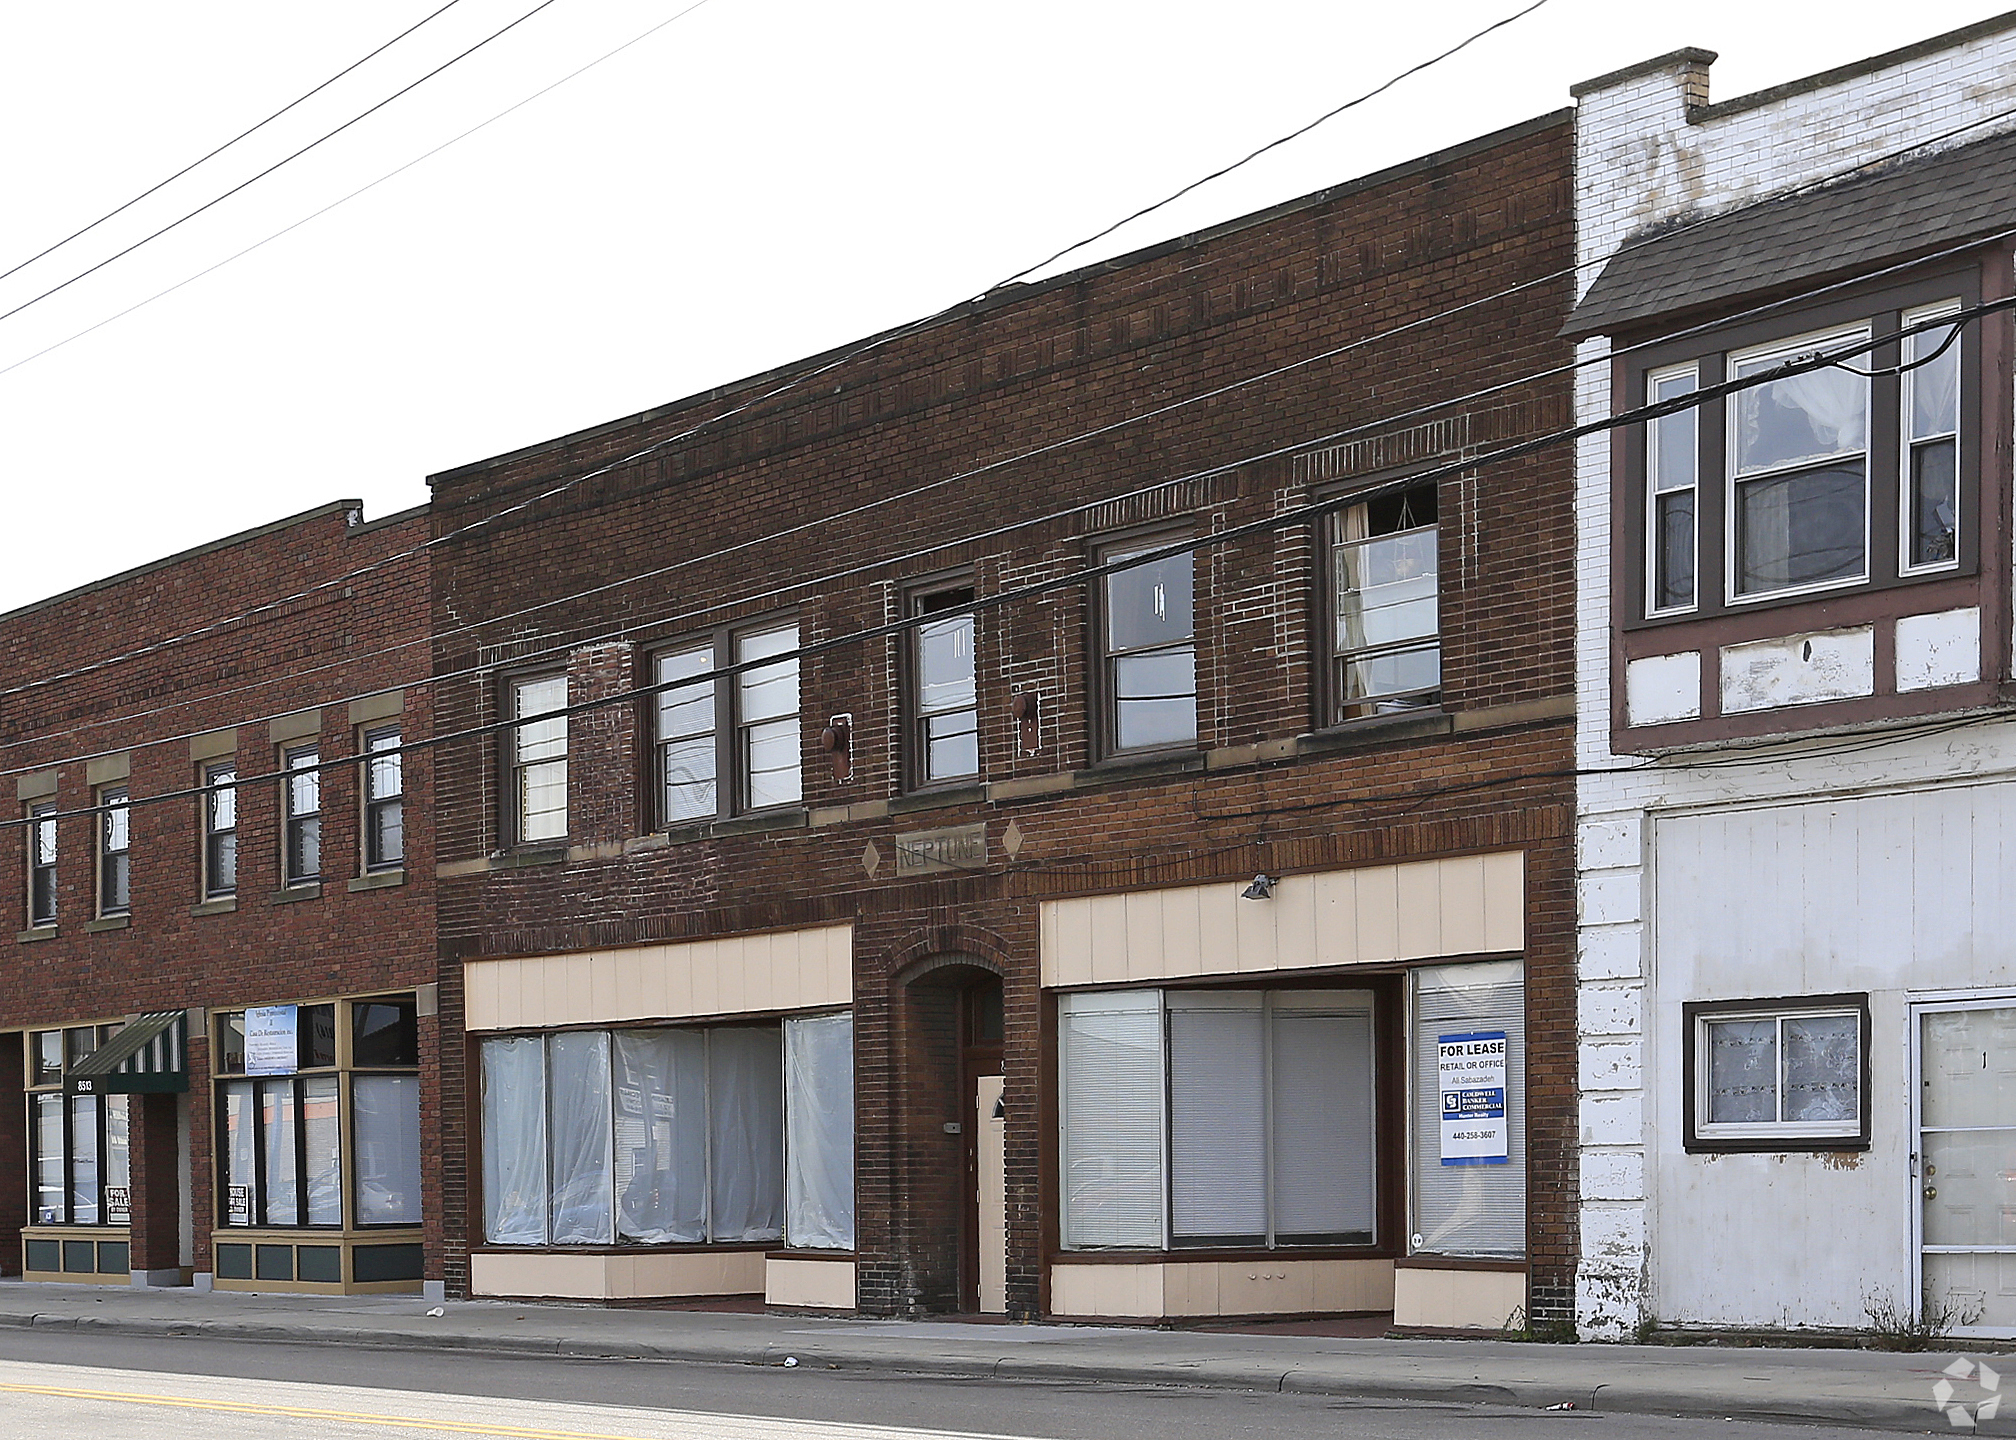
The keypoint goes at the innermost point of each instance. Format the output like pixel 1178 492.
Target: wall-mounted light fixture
pixel 1262 888
pixel 1024 707
pixel 837 739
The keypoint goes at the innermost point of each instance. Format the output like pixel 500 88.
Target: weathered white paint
pixel 1888 894
pixel 801 1283
pixel 1799 669
pixel 558 1275
pixel 1459 1299
pixel 1375 914
pixel 990 1182
pixel 1939 649
pixel 1661 688
pixel 735 975
pixel 1265 1285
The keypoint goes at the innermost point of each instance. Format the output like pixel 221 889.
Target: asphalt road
pixel 122 1388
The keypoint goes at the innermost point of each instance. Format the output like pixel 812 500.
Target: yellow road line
pixel 296 1412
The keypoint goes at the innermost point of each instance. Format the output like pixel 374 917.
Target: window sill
pixel 975 794
pixel 1223 1254
pixel 1773 1144
pixel 1139 767
pixel 1376 730
pixel 1458 1262
pixel 294 893
pixel 222 905
pixel 382 880
pixel 792 819
pixel 38 932
pixel 107 923
pixel 521 859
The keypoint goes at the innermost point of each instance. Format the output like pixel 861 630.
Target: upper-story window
pixel 1147 638
pixel 768 749
pixel 537 753
pixel 42 863
pixel 1844 476
pixel 115 853
pixel 746 727
pixel 943 703
pixel 301 790
pixel 220 830
pixel 1386 638
pixel 384 800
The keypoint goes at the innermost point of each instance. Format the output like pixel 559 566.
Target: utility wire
pixel 887 561
pixel 285 160
pixel 1286 519
pixel 1793 192
pixel 241 135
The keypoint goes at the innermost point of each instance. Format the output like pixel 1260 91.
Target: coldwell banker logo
pixel 1980 1400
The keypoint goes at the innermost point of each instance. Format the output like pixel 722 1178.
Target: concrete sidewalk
pixel 1849 1387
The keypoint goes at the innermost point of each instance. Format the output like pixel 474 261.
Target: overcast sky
pixel 755 181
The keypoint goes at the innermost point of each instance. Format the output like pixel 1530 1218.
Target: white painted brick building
pixel 1798 809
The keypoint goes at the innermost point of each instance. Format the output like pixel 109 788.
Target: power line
pixel 1286 519
pixel 285 160
pixel 795 381
pixel 1048 447
pixel 334 204
pixel 241 135
pixel 887 561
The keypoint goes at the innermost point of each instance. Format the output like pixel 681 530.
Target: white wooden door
pixel 991 1179
pixel 1967 1163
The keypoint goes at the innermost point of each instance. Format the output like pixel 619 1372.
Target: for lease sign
pixel 1472 1070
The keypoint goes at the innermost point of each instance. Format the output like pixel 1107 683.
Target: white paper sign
pixel 1472 1070
pixel 271 1043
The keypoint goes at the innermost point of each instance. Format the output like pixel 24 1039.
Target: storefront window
pixel 1469 1024
pixel 1218 1118
pixel 78 1151
pixel 670 1136
pixel 285 1135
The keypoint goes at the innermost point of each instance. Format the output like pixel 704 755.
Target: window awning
pixel 149 1056
pixel 1877 217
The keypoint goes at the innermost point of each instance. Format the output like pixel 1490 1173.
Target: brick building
pixel 934 970
pixel 216 1026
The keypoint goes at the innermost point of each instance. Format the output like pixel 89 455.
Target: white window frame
pixel 1905 441
pixel 1709 1132
pixel 1653 379
pixel 1785 350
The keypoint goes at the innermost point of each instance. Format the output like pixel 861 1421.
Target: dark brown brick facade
pixel 1269 786
pixel 351 638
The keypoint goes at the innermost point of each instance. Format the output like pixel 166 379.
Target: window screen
pixel 1468 1209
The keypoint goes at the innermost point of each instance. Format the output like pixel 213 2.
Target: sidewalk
pixel 1850 1387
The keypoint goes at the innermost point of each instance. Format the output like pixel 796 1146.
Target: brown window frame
pixel 115 865
pixel 1103 687
pixel 296 825
pixel 1695 1014
pixel 1329 688
pixel 40 814
pixel 917 777
pixel 731 777
pixel 510 801
pixel 218 777
pixel 371 804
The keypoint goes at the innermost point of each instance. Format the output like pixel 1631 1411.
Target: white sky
pixel 755 182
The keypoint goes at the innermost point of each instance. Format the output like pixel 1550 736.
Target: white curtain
pixel 1469 1209
pixel 577 1067
pixel 819 1130
pixel 514 1141
pixel 661 1136
pixel 745 1092
pixel 1111 1059
pixel 1217 1117
pixel 387 1117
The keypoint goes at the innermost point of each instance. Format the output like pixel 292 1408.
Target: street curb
pixel 1244 1375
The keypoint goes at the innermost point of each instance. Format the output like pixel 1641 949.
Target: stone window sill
pixel 39 932
pixel 295 893
pixel 108 922
pixel 222 905
pixel 381 880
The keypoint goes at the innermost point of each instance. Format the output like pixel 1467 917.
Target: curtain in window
pixel 514 1141
pixel 661 1136
pixel 1217 1118
pixel 578 1126
pixel 819 1126
pixel 1469 1209
pixel 745 1084
pixel 386 1119
pixel 241 1140
pixel 1111 1059
pixel 1323 1127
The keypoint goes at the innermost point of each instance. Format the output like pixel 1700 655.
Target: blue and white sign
pixel 1472 1070
pixel 272 1046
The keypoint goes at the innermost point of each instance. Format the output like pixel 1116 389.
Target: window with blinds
pixel 1467 1209
pixel 1218 1118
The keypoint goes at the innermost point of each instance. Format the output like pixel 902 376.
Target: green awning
pixel 148 1056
